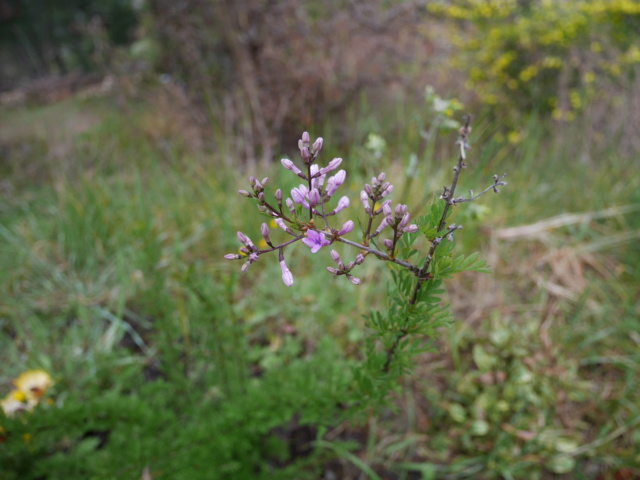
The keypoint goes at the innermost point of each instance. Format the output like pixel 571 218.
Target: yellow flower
pixel 33 383
pixel 528 73
pixel 514 137
pixel 16 401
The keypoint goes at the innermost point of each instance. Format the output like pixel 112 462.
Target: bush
pixel 543 56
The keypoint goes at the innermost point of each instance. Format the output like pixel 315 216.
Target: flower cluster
pixel 386 234
pixel 30 388
pixel 306 214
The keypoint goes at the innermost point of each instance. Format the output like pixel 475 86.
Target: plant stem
pixel 422 274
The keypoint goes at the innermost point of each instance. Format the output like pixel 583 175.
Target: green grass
pixel 113 280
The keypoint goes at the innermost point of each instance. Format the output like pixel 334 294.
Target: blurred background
pixel 131 349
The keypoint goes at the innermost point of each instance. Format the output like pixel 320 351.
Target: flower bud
pixel 347 227
pixel 289 165
pixel 305 154
pixel 283 225
pixel 244 193
pixel 290 206
pixel 317 145
pixel 278 196
pixel 400 210
pixel 246 241
pixel 388 243
pixel 364 198
pixel 342 204
pixel 333 164
pixel 387 191
pixel 334 182
pixel 297 196
pixel 287 277
pixel 382 225
pixel 314 197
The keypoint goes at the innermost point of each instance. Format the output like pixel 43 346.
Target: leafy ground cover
pixel 168 363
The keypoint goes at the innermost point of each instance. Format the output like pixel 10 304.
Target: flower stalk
pixel 313 201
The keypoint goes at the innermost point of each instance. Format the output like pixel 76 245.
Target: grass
pixel 113 281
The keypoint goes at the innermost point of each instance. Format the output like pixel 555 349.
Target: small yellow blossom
pixel 33 383
pixel 15 402
pixel 528 73
pixel 514 137
pixel 575 99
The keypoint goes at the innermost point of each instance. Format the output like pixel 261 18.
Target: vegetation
pixel 154 357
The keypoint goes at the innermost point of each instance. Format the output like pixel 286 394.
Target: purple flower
pixel 315 240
